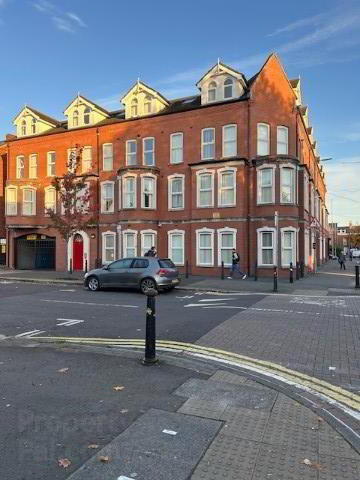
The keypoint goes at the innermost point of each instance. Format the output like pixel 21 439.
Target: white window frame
pixel 259 141
pixel 15 189
pixel 134 108
pixel 259 184
pixel 124 242
pixel 108 157
pixel 200 231
pixel 23 128
pixel 31 158
pixel 154 178
pixel 172 149
pixel 291 167
pixel 48 189
pixel 148 101
pixel 120 194
pixel 51 164
pixel 87 112
pixel 170 248
pixel 198 176
pixel 232 125
pixel 75 115
pixel 294 246
pixel 211 90
pixel 220 232
pixel 203 144
pixel 221 171
pixel 85 169
pixel 124 192
pixel 278 143
pixel 103 244
pixel 148 151
pixel 20 169
pixel 259 233
pixel 103 200
pixel 33 201
pixel 170 192
pixel 144 249
pixel 128 155
pixel 227 86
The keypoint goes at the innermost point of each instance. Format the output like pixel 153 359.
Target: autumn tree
pixel 354 236
pixel 74 195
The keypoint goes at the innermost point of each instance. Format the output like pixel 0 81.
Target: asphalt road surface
pixel 56 310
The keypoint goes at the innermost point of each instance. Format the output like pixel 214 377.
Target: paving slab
pixel 285 433
pixel 246 424
pixel 334 468
pixel 331 443
pixel 204 408
pixel 226 393
pixel 158 445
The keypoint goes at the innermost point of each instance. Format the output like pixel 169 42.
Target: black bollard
pixel 187 269
pixel 71 270
pixel 297 271
pixel 255 275
pixel 357 280
pixel 86 266
pixel 302 266
pixel 291 273
pixel 150 340
pixel 275 280
pixel 222 271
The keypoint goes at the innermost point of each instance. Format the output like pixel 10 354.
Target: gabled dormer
pixel 304 110
pixel 296 86
pixel 32 122
pixel 143 100
pixel 221 83
pixel 82 113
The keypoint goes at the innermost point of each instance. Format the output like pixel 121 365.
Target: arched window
pixel 33 126
pixel 147 104
pixel 75 118
pixel 134 107
pixel 87 113
pixel 212 92
pixel 23 127
pixel 228 88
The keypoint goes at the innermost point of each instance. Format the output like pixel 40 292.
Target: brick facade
pixel 269 100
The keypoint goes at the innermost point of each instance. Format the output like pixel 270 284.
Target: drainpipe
pixel 98 200
pixel 248 178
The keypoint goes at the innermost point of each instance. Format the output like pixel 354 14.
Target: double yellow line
pixel 333 392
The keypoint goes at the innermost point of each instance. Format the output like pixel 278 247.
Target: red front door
pixel 78 252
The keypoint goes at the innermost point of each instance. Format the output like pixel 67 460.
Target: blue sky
pixel 53 49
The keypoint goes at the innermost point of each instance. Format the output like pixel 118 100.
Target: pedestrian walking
pixel 350 255
pixel 342 261
pixel 151 253
pixel 236 265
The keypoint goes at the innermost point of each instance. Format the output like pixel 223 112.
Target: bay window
pixel 265 180
pixel 205 189
pixel 107 197
pixel 288 246
pixel 176 246
pixel 176 192
pixel 205 247
pixel 227 188
pixel 148 192
pixel 287 185
pixel 129 192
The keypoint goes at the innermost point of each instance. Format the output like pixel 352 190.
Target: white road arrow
pixel 201 304
pixel 68 322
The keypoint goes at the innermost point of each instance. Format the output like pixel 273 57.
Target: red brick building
pixel 194 177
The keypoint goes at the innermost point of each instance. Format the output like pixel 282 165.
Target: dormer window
pixel 147 104
pixel 75 118
pixel 87 113
pixel 134 108
pixel 33 126
pixel 212 92
pixel 228 88
pixel 23 127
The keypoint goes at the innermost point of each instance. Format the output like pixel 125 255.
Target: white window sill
pixel 266 266
pixel 205 159
pixel 107 213
pixel 206 266
pixel 176 209
pixel 265 203
pixel 205 206
pixel 227 206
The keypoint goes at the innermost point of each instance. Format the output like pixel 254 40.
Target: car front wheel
pixel 93 284
pixel 147 284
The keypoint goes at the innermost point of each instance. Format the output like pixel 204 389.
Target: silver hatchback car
pixel 138 272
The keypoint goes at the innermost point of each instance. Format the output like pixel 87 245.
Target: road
pixel 33 310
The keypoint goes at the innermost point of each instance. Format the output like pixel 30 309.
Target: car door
pixel 117 274
pixel 137 270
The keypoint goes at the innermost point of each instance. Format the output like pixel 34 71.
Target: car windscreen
pixel 166 263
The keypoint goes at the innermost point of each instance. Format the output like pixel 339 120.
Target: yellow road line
pixel 337 393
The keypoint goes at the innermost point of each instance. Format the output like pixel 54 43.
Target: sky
pixel 53 49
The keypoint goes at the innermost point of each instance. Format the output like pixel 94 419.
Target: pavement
pixel 328 280
pixel 248 385
pixel 77 413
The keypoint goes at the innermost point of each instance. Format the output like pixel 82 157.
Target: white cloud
pixel 112 102
pixel 304 22
pixel 44 6
pixel 63 24
pixel 76 19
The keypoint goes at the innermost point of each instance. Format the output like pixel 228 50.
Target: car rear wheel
pixel 93 284
pixel 146 284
